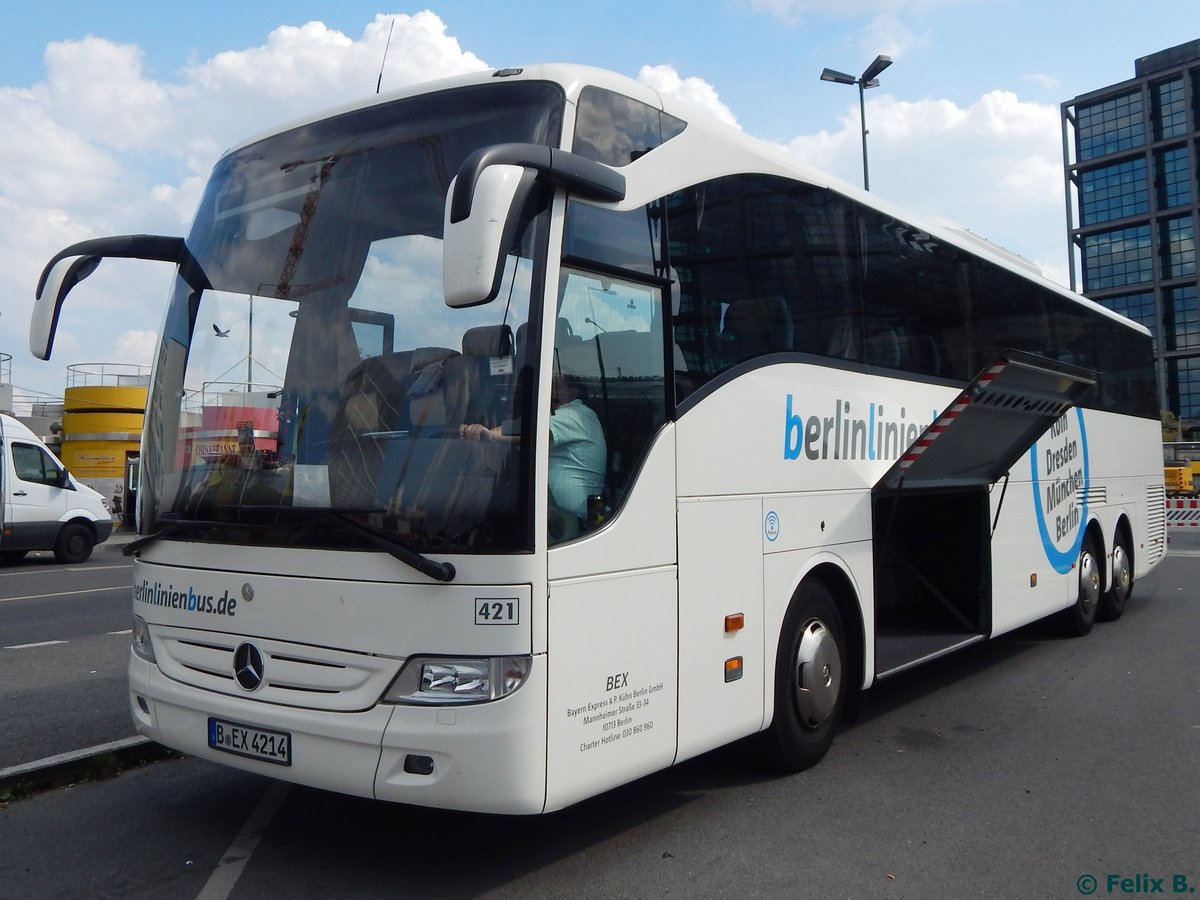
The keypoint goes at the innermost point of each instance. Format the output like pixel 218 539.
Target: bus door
pixel 612 605
pixel 932 513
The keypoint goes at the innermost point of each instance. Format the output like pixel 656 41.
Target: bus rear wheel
pixel 1112 604
pixel 1078 620
pixel 810 681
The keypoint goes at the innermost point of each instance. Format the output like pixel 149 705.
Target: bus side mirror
pixel 77 262
pixel 56 283
pixel 474 247
pixel 483 206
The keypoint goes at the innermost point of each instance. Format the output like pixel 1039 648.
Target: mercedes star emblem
pixel 248 666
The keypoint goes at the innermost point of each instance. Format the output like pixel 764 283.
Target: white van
pixel 44 507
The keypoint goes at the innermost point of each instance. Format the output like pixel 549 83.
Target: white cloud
pixel 886 34
pixel 136 347
pixel 303 69
pixel 102 147
pixel 49 164
pixel 693 91
pixel 99 88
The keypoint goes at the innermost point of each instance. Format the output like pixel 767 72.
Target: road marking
pixel 221 882
pixel 26 571
pixel 119 587
pixel 53 643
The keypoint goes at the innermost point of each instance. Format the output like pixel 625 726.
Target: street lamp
pixel 868 79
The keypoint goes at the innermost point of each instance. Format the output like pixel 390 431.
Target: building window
pixel 1196 97
pixel 1114 192
pixel 1178 248
pixel 1171 178
pixel 1117 258
pixel 1183 387
pixel 1170 109
pixel 1110 126
pixel 1139 307
pixel 1183 326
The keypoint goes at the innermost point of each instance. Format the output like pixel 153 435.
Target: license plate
pixel 246 740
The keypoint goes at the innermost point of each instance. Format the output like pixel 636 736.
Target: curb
pixel 89 764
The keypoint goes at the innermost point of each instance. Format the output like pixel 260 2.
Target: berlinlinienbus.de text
pixel 847 435
pixel 185 599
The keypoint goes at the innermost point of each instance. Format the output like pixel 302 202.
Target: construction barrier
pixel 1183 511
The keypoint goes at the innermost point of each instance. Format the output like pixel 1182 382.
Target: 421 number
pixel 497 611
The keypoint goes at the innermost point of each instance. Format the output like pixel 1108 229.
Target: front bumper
pixel 489 757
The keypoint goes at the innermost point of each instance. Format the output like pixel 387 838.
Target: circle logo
pixel 771 526
pixel 248 667
pixel 1059 469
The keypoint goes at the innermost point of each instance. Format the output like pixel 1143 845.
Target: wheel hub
pixel 818 673
pixel 1122 573
pixel 1089 581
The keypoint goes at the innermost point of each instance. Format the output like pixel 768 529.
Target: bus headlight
pixel 439 681
pixel 141 640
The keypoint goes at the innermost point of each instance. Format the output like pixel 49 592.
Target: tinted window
pixel 615 130
pixel 763 265
pixel 609 342
pixel 916 299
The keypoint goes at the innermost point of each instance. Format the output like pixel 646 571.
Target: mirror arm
pixel 134 246
pixel 583 177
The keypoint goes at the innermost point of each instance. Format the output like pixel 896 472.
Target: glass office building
pixel 1131 156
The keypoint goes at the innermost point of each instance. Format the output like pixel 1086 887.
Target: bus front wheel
pixel 810 681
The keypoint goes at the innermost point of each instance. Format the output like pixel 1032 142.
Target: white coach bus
pixel 582 434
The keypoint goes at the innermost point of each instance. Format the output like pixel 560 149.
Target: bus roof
pixel 707 148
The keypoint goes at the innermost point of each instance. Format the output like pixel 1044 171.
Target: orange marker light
pixel 735 622
pixel 733 669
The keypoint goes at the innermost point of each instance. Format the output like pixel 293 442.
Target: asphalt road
pixel 1020 768
pixel 64 643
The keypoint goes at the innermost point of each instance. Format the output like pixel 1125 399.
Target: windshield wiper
pixel 172 527
pixel 439 571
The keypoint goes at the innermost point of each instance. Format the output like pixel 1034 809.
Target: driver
pixel 578 452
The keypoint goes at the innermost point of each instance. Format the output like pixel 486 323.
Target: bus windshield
pixel 311 382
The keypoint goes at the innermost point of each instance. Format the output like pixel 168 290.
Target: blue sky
pixel 112 114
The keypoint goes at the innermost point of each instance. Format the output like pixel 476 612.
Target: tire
pixel 1079 619
pixel 74 543
pixel 1112 604
pixel 810 681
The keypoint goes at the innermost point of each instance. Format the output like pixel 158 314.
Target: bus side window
pixel 766 265
pixel 609 344
pixel 756 327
